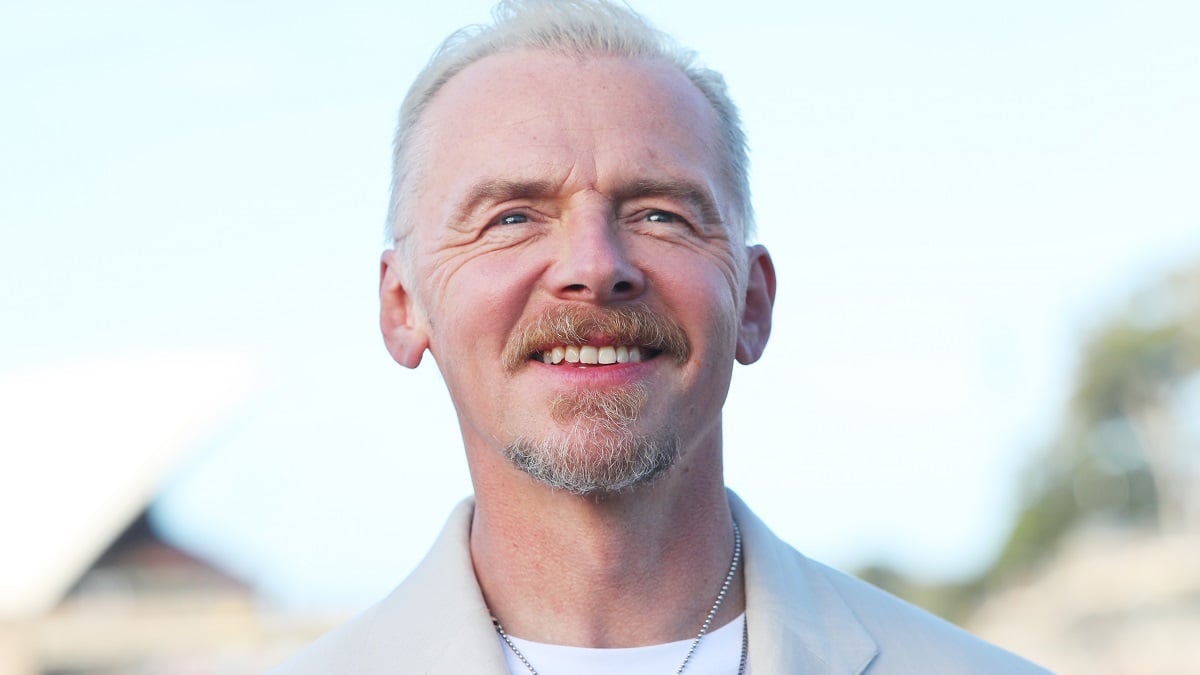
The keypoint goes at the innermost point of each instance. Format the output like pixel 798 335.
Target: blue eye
pixel 662 217
pixel 513 219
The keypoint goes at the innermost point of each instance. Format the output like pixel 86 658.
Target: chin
pixel 590 462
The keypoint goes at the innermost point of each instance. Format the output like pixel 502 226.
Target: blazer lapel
pixel 796 620
pixel 437 622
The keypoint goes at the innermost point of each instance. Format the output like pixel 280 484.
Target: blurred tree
pixel 1125 453
pixel 1128 451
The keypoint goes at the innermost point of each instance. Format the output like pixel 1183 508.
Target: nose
pixel 593 263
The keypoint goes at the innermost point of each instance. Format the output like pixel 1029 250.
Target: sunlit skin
pixel 547 179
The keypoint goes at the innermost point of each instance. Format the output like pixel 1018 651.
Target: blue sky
pixel 192 194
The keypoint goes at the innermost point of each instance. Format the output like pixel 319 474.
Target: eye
pixel 512 219
pixel 663 217
pixel 659 222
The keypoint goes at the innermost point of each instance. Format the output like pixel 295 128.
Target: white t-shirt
pixel 719 653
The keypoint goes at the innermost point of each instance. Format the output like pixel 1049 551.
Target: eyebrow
pixel 500 190
pixel 694 194
pixel 491 191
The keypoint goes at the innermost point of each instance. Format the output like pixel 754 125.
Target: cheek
pixel 474 304
pixel 705 289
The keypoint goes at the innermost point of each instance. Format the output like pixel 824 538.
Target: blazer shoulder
pixel 911 639
pixel 435 621
pixel 811 617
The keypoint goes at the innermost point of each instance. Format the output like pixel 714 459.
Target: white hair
pixel 574 27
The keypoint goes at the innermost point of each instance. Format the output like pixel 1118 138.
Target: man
pixel 570 212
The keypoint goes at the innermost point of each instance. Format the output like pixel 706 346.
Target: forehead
pixel 574 121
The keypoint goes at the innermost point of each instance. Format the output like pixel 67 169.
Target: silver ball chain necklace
pixel 712 613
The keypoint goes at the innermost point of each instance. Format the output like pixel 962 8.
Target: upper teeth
pixel 591 354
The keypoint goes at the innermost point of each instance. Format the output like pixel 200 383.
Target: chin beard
pixel 595 465
pixel 599 453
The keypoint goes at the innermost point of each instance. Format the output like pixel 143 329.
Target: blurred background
pixel 982 391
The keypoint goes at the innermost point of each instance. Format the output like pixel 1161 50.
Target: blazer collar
pixel 796 619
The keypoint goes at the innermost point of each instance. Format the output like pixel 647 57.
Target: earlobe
pixel 755 327
pixel 400 318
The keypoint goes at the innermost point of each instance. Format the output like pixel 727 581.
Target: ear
pixel 760 300
pixel 400 319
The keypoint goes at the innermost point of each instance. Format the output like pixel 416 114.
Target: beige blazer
pixel 802 618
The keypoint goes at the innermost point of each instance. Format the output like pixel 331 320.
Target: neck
pixel 637 568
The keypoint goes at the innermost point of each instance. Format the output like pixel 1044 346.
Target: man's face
pixel 572 263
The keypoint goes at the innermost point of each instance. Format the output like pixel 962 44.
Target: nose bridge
pixel 593 263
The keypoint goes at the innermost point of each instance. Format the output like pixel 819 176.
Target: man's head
pixel 575 256
pixel 572 27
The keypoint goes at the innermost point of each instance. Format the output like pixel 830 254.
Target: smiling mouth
pixel 592 355
pixel 579 336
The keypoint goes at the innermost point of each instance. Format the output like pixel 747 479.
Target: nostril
pixel 622 287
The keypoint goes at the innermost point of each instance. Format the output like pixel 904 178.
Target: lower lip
pixel 612 374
